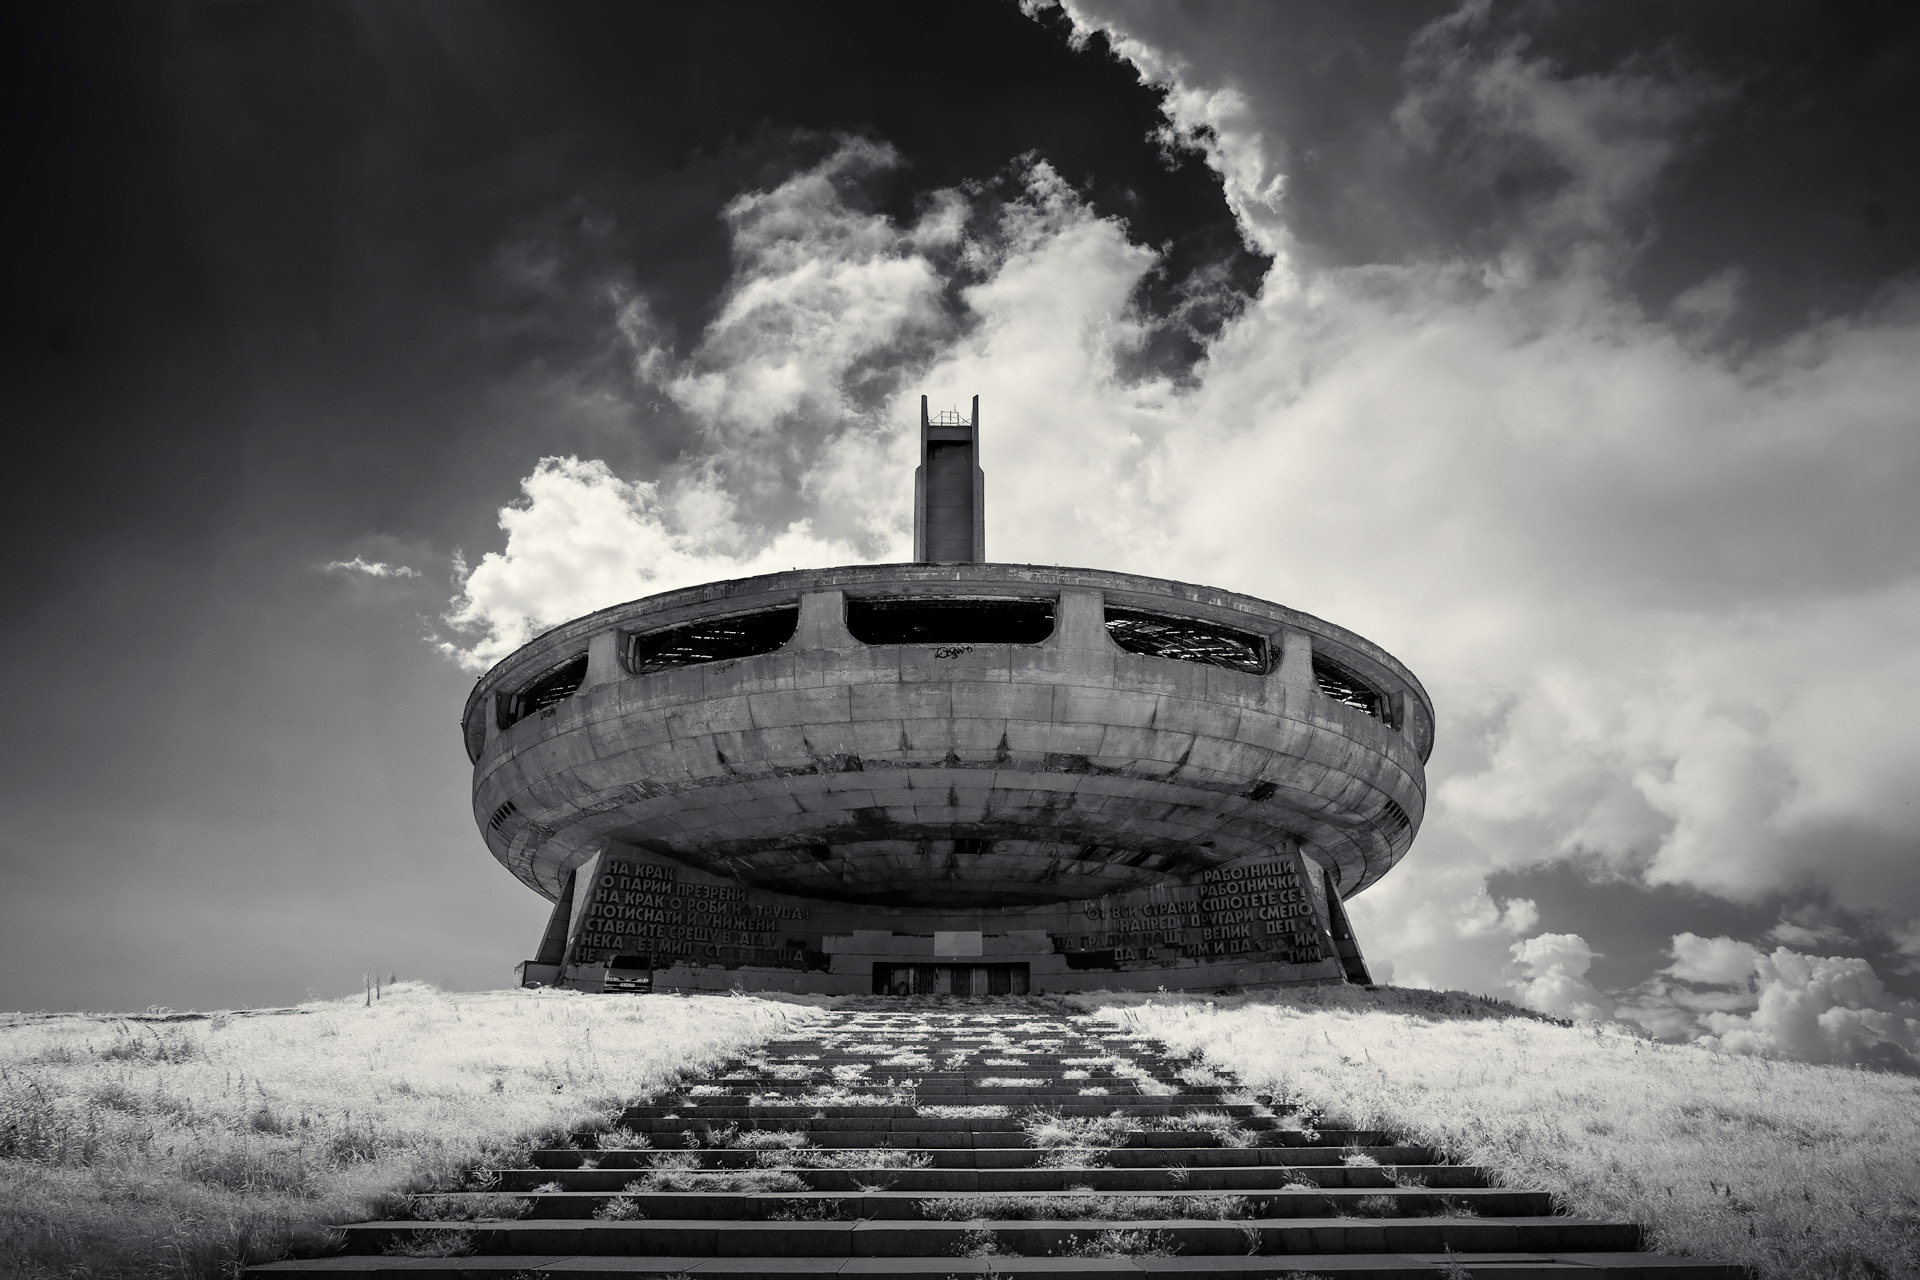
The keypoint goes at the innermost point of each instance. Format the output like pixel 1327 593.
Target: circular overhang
pixel 965 735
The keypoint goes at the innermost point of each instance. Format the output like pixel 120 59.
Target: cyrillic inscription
pixel 646 909
pixel 1259 911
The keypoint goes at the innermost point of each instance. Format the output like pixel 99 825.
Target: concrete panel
pixel 1072 740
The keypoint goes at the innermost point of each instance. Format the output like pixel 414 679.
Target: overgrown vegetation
pixel 1796 1170
pixel 1084 1206
pixel 181 1145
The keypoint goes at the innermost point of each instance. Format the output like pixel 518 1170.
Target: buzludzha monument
pixel 948 777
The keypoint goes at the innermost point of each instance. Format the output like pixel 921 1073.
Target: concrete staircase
pixel 939 1140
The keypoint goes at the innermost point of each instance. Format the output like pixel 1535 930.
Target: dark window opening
pixel 1394 819
pixel 716 640
pixel 555 687
pixel 951 980
pixel 1348 689
pixel 1187 640
pixel 500 815
pixel 950 621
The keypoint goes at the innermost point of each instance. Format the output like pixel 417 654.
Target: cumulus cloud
pixel 1728 994
pixel 827 306
pixel 1556 967
pixel 1663 592
pixel 583 538
pixel 1713 960
pixel 371 568
pixel 1822 1009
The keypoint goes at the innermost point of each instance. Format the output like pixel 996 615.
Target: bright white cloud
pixel 1556 967
pixel 1823 1009
pixel 584 538
pixel 371 568
pixel 1722 961
pixel 1664 594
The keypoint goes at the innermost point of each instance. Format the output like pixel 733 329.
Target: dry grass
pixel 1796 1170
pixel 146 1147
pixel 1091 1207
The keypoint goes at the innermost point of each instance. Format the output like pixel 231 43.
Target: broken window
pixel 715 640
pixel 1187 640
pixel 1394 820
pixel 557 685
pixel 950 621
pixel 1346 688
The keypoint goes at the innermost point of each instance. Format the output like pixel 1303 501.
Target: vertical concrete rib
pixel 823 622
pixel 603 658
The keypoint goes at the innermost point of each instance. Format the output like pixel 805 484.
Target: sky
pixel 1568 352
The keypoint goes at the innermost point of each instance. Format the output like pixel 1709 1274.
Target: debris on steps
pixel 947 1138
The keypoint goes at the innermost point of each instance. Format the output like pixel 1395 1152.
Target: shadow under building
pixel 948 777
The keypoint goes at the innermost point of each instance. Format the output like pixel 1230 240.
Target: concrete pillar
pixel 1295 669
pixel 585 883
pixel 1080 621
pixel 823 622
pixel 603 659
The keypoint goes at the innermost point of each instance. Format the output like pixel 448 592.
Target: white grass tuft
pixel 133 1147
pixel 1796 1170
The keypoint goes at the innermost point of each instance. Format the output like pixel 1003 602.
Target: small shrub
pixel 874 1158
pixel 467 1206
pixel 1121 1244
pixel 618 1209
pixel 1375 1207
pixel 431 1244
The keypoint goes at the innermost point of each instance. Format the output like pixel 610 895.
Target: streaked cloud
pixel 371 568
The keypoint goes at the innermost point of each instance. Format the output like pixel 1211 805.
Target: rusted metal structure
pixel 949 776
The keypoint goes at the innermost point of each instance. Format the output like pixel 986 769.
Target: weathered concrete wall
pixel 968 776
pixel 1258 922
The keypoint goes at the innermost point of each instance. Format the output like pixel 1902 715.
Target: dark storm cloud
pixel 1785 170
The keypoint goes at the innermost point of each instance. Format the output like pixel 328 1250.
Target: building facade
pixel 948 777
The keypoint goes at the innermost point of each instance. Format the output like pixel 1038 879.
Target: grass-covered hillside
pixel 1802 1172
pixel 177 1145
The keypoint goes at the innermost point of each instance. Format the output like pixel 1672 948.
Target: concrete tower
pixel 949 490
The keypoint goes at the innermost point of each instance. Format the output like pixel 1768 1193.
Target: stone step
pixel 996 1133
pixel 833 1117
pixel 895 1204
pixel 1026 1099
pixel 1069 1104
pixel 1375 1266
pixel 885 1239
pixel 1024 1157
pixel 1394 1211
pixel 1226 1178
pixel 1120 1085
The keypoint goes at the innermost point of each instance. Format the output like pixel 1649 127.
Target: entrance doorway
pixel 950 980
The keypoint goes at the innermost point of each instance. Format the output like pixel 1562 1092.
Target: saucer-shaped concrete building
pixel 948 777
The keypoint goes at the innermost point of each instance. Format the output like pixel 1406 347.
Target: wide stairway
pixel 938 1140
